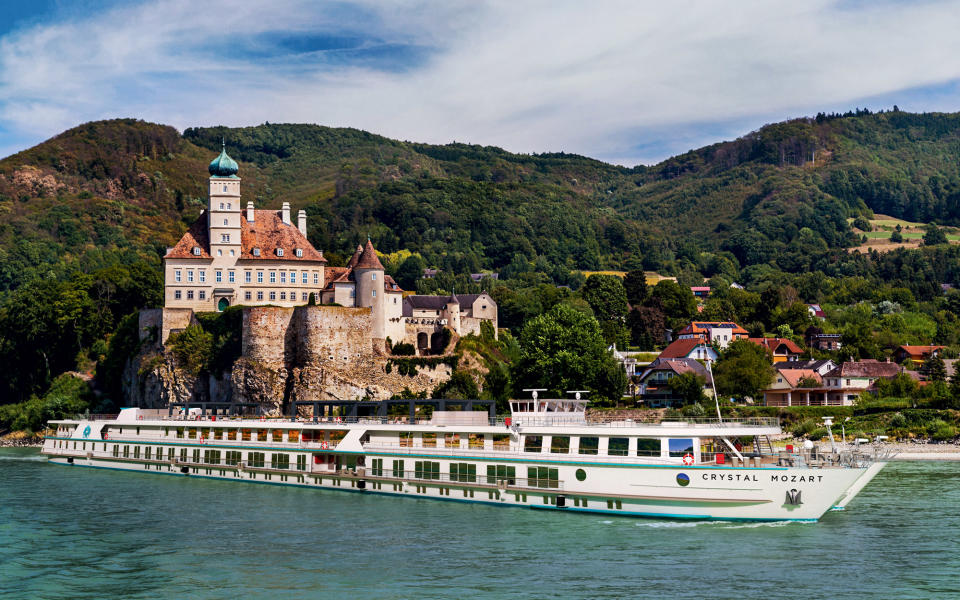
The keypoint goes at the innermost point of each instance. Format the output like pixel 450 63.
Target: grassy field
pixel 652 277
pixel 883 227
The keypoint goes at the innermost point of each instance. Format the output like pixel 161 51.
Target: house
pixel 816 311
pixel 715 332
pixel 654 389
pixel 840 386
pixel 477 277
pixel 690 348
pixel 425 316
pixel 821 367
pixel 917 354
pixel 815 338
pixel 430 273
pixel 701 292
pixel 780 349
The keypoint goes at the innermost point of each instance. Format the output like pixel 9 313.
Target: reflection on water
pixel 70 532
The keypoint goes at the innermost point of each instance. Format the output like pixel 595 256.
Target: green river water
pixel 71 532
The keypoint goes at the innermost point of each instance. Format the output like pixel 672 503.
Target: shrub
pixel 403 349
pixel 192 348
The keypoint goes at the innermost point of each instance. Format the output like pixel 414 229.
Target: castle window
pixel 353 293
pixel 373 276
pixel 299 252
pixel 279 251
pixel 189 294
pixel 316 278
pixel 203 276
pixel 176 294
pixel 225 238
pixel 202 295
pixel 196 250
pixel 259 276
pixel 190 276
pixel 303 296
pixel 219 276
pixel 283 295
pixel 283 276
pixel 230 276
pixel 273 276
pixel 231 253
pixel 224 188
pixel 303 277
pixel 221 206
pixel 273 295
pixel 374 293
pixel 259 294
pixel 226 222
pixel 176 276
pixel 246 278
pixel 246 295
pixel 293 294
pixel 229 206
pixel 256 251
pixel 219 252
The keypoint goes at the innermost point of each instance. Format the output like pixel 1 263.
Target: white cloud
pixel 601 79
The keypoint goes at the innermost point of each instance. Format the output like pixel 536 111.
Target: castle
pixel 251 257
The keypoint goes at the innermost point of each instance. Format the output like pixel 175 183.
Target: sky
pixel 629 82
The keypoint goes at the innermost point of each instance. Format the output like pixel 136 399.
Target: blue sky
pixel 628 82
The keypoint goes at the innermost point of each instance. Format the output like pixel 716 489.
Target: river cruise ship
pixel 546 455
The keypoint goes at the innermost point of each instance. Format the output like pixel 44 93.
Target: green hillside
pixel 87 216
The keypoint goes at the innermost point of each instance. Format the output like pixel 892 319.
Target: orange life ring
pixel 688 459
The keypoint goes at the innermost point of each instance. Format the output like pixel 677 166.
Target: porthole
pixel 581 474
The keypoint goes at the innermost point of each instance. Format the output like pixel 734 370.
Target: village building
pixel 815 338
pixel 916 354
pixel 654 386
pixel 694 348
pixel 821 367
pixel 715 332
pixel 779 349
pixel 840 386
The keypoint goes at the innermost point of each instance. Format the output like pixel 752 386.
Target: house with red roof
pixel 654 385
pixel 917 354
pixel 780 349
pixel 694 348
pixel 839 387
pixel 720 333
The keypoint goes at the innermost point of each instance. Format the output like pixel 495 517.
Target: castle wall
pixel 267 335
pixel 335 334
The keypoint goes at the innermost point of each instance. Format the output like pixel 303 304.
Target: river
pixel 71 532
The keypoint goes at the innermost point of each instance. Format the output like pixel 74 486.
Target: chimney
pixel 302 222
pixel 250 212
pixel 285 213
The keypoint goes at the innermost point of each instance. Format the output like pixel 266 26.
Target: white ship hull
pixel 362 461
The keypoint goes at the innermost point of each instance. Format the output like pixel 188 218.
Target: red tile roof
pixel 793 376
pixel 920 351
pixel 268 232
pixel 369 260
pixel 774 344
pixel 871 369
pixel 682 348
pixel 705 326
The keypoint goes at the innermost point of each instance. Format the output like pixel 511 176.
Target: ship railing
pixel 560 420
pixel 426 477
pixel 215 442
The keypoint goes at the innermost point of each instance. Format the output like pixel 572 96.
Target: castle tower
pixel 453 313
pixel 223 216
pixel 368 273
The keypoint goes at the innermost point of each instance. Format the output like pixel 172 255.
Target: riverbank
pixel 21 439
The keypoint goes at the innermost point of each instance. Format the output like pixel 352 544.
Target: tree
pixel 192 347
pixel 647 325
pixel 635 284
pixel 607 297
pixel 678 302
pixel 460 386
pixel 564 349
pixel 743 370
pixel 934 236
pixel 935 369
pixel 688 386
pixel 896 237
pixel 410 271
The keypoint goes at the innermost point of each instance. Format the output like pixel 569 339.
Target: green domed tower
pixel 223 165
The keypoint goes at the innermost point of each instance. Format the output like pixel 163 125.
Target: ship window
pixel 463 472
pixel 245 435
pixel 429 440
pixel 680 446
pixel 398 469
pixel 560 444
pixel 451 440
pixel 581 475
pixel 261 435
pixel 501 441
pixel 648 447
pixel 180 432
pixel 280 461
pixel 192 433
pixel 533 443
pixel 476 440
pixel 426 469
pixel 301 462
pixel 277 435
pixel 589 445
pixel 618 446
pixel 255 459
pixel 542 477
pixel 497 473
pixel 233 457
pixel 293 435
